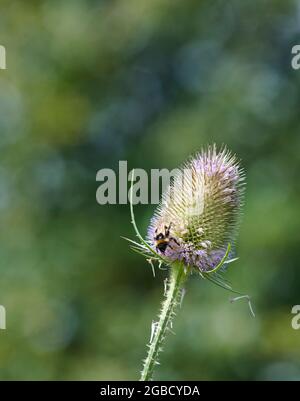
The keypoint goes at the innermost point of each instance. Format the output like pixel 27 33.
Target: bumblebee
pixel 162 238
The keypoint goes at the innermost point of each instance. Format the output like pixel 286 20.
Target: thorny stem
pixel 159 329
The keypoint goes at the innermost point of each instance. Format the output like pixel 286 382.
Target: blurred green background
pixel 89 83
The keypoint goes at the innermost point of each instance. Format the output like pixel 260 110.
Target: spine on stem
pixel 173 297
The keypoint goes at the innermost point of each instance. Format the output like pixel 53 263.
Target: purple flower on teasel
pixel 198 215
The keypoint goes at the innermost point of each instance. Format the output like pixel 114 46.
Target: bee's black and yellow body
pixel 162 238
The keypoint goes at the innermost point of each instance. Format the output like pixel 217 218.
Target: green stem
pixel 172 299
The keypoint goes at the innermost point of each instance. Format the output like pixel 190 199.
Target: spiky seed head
pixel 199 212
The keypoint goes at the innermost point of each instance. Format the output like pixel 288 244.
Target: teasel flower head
pixel 198 216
